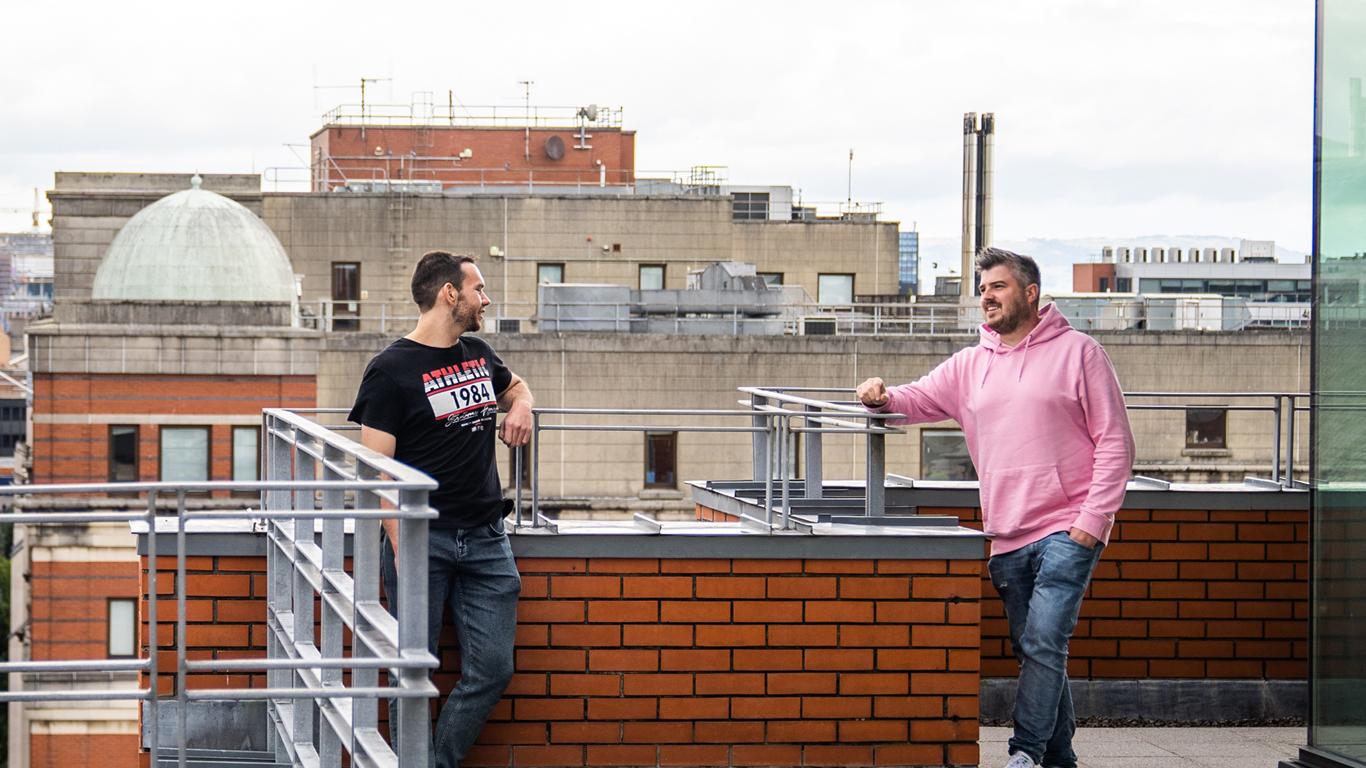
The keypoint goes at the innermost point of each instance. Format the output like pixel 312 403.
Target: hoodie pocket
pixel 1013 498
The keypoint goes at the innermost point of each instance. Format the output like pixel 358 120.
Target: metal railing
pixel 302 460
pixel 777 413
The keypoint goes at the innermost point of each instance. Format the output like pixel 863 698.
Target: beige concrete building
pixel 353 252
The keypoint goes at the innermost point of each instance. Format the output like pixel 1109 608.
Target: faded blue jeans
pixel 1042 585
pixel 472 571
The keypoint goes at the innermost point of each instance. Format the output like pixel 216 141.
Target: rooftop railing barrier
pixel 426 112
pixel 315 481
pixel 777 413
pixel 785 319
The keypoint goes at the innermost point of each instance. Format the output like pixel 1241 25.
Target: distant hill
pixel 1056 256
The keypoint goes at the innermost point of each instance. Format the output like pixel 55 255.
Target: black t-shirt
pixel 440 405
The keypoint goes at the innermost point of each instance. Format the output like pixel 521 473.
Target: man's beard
pixel 465 316
pixel 1012 316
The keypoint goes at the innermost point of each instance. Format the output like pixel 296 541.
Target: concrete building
pixel 909 264
pixel 1251 272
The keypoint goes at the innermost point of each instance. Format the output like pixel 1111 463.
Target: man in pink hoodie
pixel 1046 427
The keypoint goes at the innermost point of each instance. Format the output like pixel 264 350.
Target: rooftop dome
pixel 195 246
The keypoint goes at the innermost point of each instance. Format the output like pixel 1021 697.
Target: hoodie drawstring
pixel 1023 358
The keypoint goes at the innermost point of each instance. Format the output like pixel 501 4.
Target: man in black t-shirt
pixel 430 400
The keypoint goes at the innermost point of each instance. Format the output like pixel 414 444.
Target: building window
pixel 1105 285
pixel 772 279
pixel 13 425
pixel 246 458
pixel 651 277
pixel 123 454
pixel 1124 284
pixel 749 206
pixel 345 296
pixel 835 289
pixel 184 454
pixel 549 273
pixel 121 619
pixel 1206 427
pixel 944 455
pixel 660 459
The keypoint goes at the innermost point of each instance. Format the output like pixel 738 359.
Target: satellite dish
pixel 554 147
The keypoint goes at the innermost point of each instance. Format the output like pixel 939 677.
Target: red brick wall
pixel 106 750
pixel 500 152
pixel 1177 594
pixel 695 662
pixel 1183 594
pixel 73 453
pixel 68 604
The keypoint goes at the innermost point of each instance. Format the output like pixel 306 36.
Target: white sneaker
pixel 1021 760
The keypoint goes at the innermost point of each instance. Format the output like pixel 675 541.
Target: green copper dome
pixel 195 246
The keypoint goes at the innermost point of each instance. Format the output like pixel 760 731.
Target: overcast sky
pixel 1114 118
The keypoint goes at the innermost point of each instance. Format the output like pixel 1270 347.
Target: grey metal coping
pixel 622 539
pixel 830 528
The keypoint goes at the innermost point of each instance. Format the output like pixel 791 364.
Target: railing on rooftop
pixel 788 319
pixel 425 111
pixel 776 413
pixel 314 480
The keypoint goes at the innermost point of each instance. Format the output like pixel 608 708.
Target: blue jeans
pixel 472 570
pixel 1042 585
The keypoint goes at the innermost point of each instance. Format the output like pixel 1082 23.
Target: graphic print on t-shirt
pixel 459 394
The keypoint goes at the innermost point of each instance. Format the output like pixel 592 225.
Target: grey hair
pixel 1024 268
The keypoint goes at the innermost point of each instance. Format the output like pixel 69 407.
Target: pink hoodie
pixel 1045 425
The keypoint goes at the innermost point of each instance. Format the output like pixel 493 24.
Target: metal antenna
pixel 849 199
pixel 526 95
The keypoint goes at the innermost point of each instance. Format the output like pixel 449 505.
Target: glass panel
pixel 122 627
pixel 835 289
pixel 651 277
pixel 549 273
pixel 1337 719
pixel 773 279
pixel 184 453
pixel 944 456
pixel 245 443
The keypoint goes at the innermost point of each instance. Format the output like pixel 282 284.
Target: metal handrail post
pixel 304 710
pixel 413 728
pixel 334 561
pixel 759 443
pixel 536 469
pixel 181 699
pixel 876 473
pixel 770 442
pixel 1276 440
pixel 517 493
pixel 1290 442
pixel 365 559
pixel 814 469
pixel 279 466
pixel 153 689
pixel 784 459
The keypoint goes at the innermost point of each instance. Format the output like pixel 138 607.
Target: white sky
pixel 1114 118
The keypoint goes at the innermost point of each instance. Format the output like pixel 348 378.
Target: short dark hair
pixel 434 270
pixel 1025 269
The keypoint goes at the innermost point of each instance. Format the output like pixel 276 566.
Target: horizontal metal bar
pixel 1196 406
pixel 421 690
pixel 77 665
pixel 646 411
pixel 1216 394
pixel 72 517
pixel 321 514
pixel 641 428
pixel 779 396
pixel 170 488
pixel 429 662
pixel 82 695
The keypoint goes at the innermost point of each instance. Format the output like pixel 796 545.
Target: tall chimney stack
pixel 979 140
pixel 965 289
